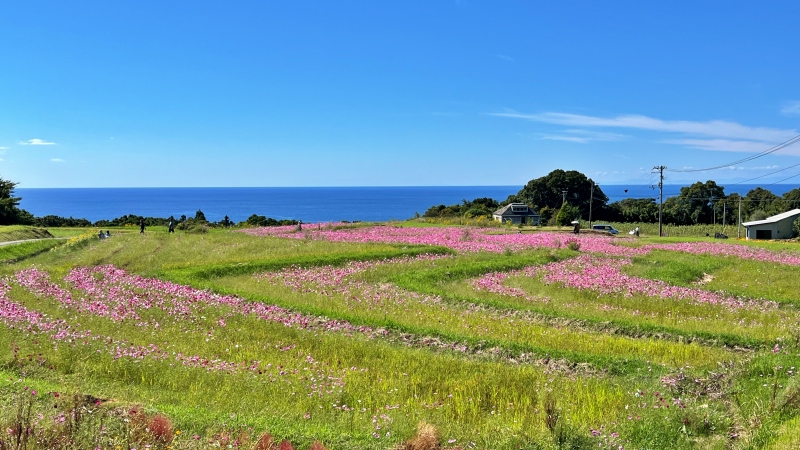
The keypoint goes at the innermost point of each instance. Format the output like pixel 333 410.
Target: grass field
pixel 20 232
pixel 383 337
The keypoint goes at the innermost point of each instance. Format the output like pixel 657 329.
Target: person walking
pixel 141 225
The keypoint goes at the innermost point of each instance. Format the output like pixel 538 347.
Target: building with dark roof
pixel 517 213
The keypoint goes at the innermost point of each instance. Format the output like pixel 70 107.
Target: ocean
pixel 309 204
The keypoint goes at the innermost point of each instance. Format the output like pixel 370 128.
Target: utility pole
pixel 739 225
pixel 660 198
pixel 714 210
pixel 724 211
pixel 591 197
pixel 563 196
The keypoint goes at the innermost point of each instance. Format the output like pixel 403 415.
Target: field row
pixel 356 343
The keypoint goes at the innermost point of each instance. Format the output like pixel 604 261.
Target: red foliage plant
pixel 161 429
pixel 286 445
pixel 265 442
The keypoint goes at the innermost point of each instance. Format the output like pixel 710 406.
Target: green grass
pixel 634 316
pixel 18 252
pixel 641 373
pixel 21 232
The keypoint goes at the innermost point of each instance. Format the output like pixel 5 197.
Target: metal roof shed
pixel 776 227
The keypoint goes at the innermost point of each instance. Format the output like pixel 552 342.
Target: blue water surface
pixel 309 204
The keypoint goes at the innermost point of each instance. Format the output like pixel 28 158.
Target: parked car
pixel 606 228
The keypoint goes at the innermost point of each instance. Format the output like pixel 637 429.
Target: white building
pixel 775 227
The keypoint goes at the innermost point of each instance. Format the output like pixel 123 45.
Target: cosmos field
pixel 343 336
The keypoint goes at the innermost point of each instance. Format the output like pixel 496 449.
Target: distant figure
pixel 171 226
pixel 101 235
pixel 108 233
pixel 636 232
pixel 141 225
pixel 577 228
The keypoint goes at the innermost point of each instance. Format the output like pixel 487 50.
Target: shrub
pixel 427 438
pixel 573 245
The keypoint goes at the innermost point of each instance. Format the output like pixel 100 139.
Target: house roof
pixel 506 210
pixel 774 219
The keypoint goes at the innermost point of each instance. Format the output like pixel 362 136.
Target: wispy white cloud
pixel 773 167
pixel 725 145
pixel 505 58
pixel 582 136
pixel 57 160
pixel 791 109
pixel 36 142
pixel 3 148
pixel 715 128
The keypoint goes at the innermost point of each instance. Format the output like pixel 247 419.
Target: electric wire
pixel 768 151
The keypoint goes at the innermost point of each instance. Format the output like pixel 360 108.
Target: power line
pixel 789 178
pixel 766 175
pixel 774 149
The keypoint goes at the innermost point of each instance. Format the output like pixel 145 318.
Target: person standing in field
pixel 141 225
pixel 171 225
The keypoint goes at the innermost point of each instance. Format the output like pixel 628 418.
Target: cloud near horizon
pixel 714 128
pixel 36 142
pixel 725 145
pixel 57 160
pixel 727 136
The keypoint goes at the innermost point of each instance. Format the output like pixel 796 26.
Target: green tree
pixel 545 214
pixel 697 202
pixel 567 214
pixel 199 216
pixel 479 207
pixel 729 207
pixel 791 200
pixel 676 210
pixel 764 200
pixel 632 210
pixel 547 191
pixel 758 214
pixel 9 212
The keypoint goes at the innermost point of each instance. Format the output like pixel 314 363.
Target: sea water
pixel 309 204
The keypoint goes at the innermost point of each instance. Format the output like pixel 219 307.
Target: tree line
pixel 562 196
pixel 11 214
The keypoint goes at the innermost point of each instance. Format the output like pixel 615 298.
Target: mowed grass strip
pixel 22 232
pixel 641 314
pixel 497 405
pixel 385 305
pixel 18 252
pixel 309 382
pixel 635 316
pixel 194 257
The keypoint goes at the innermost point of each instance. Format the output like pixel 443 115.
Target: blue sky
pixel 395 93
